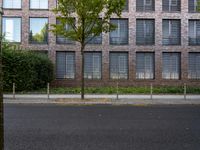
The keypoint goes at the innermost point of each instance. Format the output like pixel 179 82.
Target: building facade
pixel 156 41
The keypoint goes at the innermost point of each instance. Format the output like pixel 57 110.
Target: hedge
pixel 28 70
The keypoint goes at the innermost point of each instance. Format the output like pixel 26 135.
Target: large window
pixel 38 4
pixel 38 33
pixel 12 29
pixel 194 5
pixel 194 32
pixel 194 66
pixel 65 65
pixel 61 39
pixel 118 65
pixel 92 65
pixel 120 35
pixel 145 32
pixel 12 4
pixel 171 32
pixel 171 66
pixel 171 5
pixel 145 5
pixel 144 65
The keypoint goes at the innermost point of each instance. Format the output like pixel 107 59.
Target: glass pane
pixel 38 30
pixel 120 35
pixel 39 4
pixel 12 29
pixel 12 4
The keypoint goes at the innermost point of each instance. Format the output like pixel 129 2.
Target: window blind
pixel 118 65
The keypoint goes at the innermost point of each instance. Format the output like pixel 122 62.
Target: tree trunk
pixel 82 73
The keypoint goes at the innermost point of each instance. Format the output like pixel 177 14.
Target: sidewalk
pixel 103 99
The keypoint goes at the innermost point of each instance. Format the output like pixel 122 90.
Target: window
pixel 65 65
pixel 194 32
pixel 194 66
pixel 171 66
pixel 145 5
pixel 12 29
pixel 126 6
pixel 148 2
pixel 38 33
pixel 12 4
pixel 95 40
pixel 194 5
pixel 145 34
pixel 171 5
pixel 61 39
pixel 92 65
pixel 144 65
pixel 38 4
pixel 120 35
pixel 171 32
pixel 118 65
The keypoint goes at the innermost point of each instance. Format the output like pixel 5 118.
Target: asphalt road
pixel 58 127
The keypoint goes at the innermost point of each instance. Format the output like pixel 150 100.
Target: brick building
pixel 157 41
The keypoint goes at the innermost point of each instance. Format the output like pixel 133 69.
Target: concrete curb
pixel 109 102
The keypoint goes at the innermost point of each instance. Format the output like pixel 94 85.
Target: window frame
pixel 118 75
pixel 196 55
pixel 74 65
pixel 146 54
pixel 92 53
pixel 118 31
pixel 42 43
pixel 39 7
pixel 170 71
pixel 20 27
pixel 11 8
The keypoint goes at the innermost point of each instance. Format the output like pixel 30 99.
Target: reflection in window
pixel 39 4
pixel 12 4
pixel 120 35
pixel 38 33
pixel 12 29
pixel 60 39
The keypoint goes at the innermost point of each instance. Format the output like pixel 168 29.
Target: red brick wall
pixel 132 15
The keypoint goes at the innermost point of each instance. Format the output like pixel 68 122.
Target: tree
pixel 87 19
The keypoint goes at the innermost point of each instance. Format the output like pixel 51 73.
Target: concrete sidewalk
pixel 104 99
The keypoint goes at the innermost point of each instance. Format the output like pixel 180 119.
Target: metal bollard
pixel 48 93
pixel 117 90
pixel 151 92
pixel 185 91
pixel 13 90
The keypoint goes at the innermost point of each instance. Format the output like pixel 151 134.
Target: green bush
pixel 28 70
